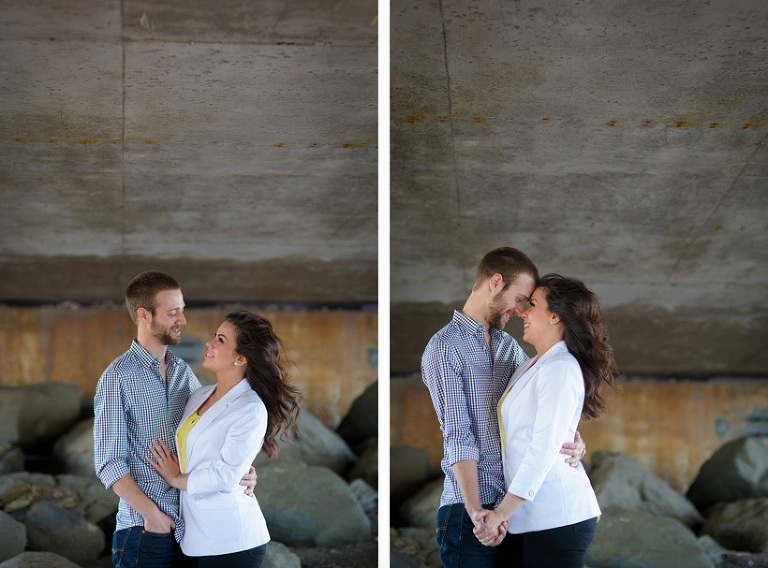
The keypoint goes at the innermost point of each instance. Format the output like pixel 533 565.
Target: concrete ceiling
pixel 232 144
pixel 621 142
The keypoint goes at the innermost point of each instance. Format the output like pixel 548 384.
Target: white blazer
pixel 538 412
pixel 219 518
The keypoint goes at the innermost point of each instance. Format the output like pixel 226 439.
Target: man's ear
pixel 496 283
pixel 142 314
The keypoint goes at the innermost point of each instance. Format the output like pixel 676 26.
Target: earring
pixel 550 323
pixel 235 363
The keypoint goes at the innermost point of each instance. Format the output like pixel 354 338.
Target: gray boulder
pixel 421 509
pixel 367 467
pixel 13 537
pixel 38 560
pixel 712 548
pixel 362 420
pixel 73 452
pixel 94 501
pixel 622 484
pixel 36 414
pixel 20 490
pixel 279 556
pixel 627 539
pixel 51 528
pixel 738 470
pixel 11 458
pixel 742 525
pixel 310 506
pixel 84 496
pixel 399 559
pixel 368 498
pixel 414 547
pixel 408 471
pixel 317 445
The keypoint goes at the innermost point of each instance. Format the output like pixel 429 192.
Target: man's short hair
pixel 507 261
pixel 142 290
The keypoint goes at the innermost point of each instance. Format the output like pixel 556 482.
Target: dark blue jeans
pixel 564 547
pixel 459 547
pixel 137 548
pixel 246 559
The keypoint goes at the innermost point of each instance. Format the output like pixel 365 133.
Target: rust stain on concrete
pixel 415 118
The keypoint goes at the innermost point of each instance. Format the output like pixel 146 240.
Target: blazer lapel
pixel 524 374
pixel 218 408
pixel 519 372
pixel 195 400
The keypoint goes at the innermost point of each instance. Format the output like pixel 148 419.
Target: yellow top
pixel 501 422
pixel 184 431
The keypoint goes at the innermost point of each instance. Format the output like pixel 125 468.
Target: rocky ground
pixel 721 522
pixel 358 555
pixel 54 512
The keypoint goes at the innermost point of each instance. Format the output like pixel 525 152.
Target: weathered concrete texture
pixel 231 21
pixel 646 338
pixel 242 135
pixel 618 142
pixel 333 351
pixel 669 427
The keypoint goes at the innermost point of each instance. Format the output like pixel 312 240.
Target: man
pixel 466 367
pixel 141 397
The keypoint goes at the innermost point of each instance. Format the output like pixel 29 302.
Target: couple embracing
pixel 510 497
pixel 178 454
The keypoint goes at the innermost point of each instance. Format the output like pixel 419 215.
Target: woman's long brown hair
pixel 586 336
pixel 266 375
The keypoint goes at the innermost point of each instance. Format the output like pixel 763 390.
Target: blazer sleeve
pixel 558 394
pixel 242 442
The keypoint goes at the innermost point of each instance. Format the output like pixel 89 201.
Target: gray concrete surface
pixel 232 144
pixel 620 142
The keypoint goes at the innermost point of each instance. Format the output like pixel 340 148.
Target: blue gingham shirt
pixel 132 406
pixel 465 383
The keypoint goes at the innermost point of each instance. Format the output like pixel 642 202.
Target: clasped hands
pixel 490 527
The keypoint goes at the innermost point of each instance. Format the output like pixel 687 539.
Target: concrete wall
pixel 670 427
pixel 334 351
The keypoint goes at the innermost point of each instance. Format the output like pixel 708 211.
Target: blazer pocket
pixel 216 501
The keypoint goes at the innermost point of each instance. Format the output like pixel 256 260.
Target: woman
pixel 222 429
pixel 551 507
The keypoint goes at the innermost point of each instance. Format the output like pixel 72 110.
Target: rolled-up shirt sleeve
pixel 242 442
pixel 558 395
pixel 110 431
pixel 442 372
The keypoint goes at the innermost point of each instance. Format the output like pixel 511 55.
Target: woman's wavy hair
pixel 586 336
pixel 267 376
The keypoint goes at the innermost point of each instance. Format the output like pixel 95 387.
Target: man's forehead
pixel 169 299
pixel 523 286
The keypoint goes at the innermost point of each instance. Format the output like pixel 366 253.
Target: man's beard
pixel 164 336
pixel 498 309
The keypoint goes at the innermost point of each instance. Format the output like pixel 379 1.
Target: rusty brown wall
pixel 670 427
pixel 334 352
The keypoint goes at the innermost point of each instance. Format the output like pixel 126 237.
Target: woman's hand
pixel 166 463
pixel 249 481
pixel 575 450
pixel 492 530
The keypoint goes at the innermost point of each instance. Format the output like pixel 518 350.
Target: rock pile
pixel 315 494
pixel 721 522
